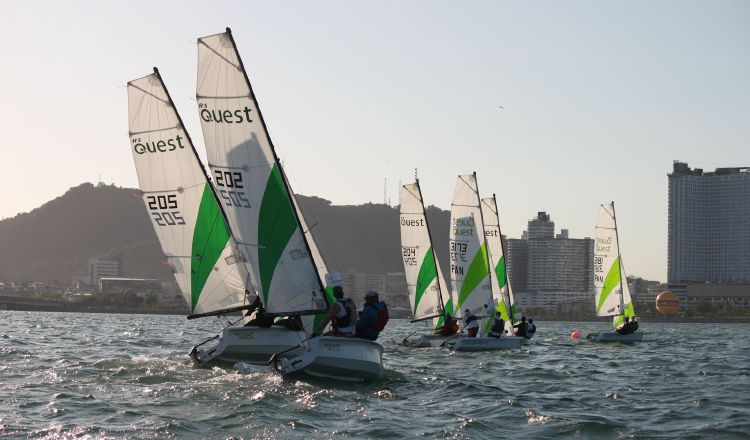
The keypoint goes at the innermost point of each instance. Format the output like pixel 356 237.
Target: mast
pixel 505 260
pixel 203 170
pixel 486 247
pixel 619 262
pixel 321 285
pixel 429 235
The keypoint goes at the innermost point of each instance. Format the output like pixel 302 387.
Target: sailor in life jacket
pixel 342 315
pixel 471 323
pixel 498 326
pixel 373 318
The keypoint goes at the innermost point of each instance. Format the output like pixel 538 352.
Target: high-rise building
pixel 709 226
pixel 541 263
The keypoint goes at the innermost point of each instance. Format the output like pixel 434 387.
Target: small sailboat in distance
pixel 612 295
pixel 429 296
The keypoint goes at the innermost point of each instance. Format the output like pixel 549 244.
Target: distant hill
pixel 56 240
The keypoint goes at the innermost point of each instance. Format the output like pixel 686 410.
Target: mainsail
pixel 470 274
pixel 428 294
pixel 259 203
pixel 608 280
pixel 500 284
pixel 182 205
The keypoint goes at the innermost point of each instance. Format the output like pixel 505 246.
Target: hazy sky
pixel 599 97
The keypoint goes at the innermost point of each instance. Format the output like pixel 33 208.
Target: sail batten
pixel 184 211
pixel 252 186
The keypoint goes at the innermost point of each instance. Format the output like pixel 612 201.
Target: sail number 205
pixel 164 210
pixel 234 194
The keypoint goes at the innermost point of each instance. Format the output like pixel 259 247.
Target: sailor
pixel 261 319
pixel 373 318
pixel 449 327
pixel 341 315
pixel 531 329
pixel 498 326
pixel 628 327
pixel 522 328
pixel 471 324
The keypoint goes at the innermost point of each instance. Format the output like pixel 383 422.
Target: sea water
pixel 75 375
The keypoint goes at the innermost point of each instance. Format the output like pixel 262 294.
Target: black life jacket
pixel 346 320
pixel 383 317
pixel 498 326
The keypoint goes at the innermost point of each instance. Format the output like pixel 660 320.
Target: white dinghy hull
pixel 616 337
pixel 251 345
pixel 349 359
pixel 486 343
pixel 430 340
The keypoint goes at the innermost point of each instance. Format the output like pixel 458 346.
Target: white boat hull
pixel 428 340
pixel 616 337
pixel 252 345
pixel 486 343
pixel 350 359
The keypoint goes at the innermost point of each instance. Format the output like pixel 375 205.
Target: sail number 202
pixel 164 210
pixel 234 194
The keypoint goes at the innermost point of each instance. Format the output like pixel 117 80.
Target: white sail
pixel 468 252
pixel 627 301
pixel 500 283
pixel 183 208
pixel 248 176
pixel 607 273
pixel 423 275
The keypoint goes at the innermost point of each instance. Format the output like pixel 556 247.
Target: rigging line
pixel 179 189
pixel 135 133
pixel 249 96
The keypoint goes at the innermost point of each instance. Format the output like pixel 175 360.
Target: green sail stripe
pixel 502 279
pixel 612 280
pixel 629 312
pixel 478 270
pixel 427 273
pixel 276 225
pixel 210 237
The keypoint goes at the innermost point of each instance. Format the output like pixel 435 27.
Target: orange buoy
pixel 667 303
pixel 576 334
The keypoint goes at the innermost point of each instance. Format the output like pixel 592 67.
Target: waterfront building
pixel 708 226
pixel 104 268
pixel 547 270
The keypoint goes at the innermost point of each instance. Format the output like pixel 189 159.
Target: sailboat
pixel 429 296
pixel 471 274
pixel 610 283
pixel 501 289
pixel 271 231
pixel 184 209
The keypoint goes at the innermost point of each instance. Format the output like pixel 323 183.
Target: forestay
pixel 607 273
pixel 183 208
pixel 500 284
pixel 253 189
pixel 469 264
pixel 428 295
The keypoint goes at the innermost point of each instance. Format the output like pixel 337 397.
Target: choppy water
pixel 101 376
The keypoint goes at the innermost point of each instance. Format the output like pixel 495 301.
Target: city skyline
pixel 591 112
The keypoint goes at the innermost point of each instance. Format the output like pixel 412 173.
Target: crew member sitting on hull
pixel 471 324
pixel 531 329
pixel 498 326
pixel 449 327
pixel 261 319
pixel 628 327
pixel 342 315
pixel 522 328
pixel 373 318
